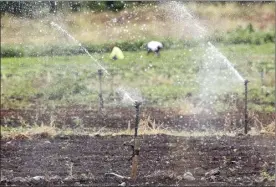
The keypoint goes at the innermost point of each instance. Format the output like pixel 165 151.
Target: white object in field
pixel 117 53
pixel 154 46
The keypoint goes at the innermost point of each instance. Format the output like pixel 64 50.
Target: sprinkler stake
pixel 136 147
pixel 262 81
pixel 100 73
pixel 245 107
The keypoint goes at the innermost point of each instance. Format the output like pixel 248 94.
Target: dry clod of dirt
pixel 212 172
pixel 122 184
pixel 19 180
pixel 213 175
pixel 213 178
pixel 37 179
pixel 77 183
pixel 47 142
pixel 69 178
pixel 188 176
pixel 55 178
pixel 84 177
pixel 179 177
pixel 260 180
pixel 254 159
pixel 199 171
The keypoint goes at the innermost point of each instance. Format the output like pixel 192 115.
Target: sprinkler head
pixel 246 81
pixel 137 103
pixel 100 71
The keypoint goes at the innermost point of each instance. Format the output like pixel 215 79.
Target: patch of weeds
pixel 267 176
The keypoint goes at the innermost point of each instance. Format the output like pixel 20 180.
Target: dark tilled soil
pixel 163 160
pixel 120 117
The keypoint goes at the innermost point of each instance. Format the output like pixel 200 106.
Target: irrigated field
pixel 192 117
pixel 165 81
pixel 54 134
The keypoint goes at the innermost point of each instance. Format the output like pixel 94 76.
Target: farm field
pixel 163 160
pixel 74 79
pixel 83 144
pixel 43 90
pixel 69 111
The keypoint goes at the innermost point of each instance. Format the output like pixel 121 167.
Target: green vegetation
pixel 257 38
pixel 246 35
pixel 164 81
pixel 239 36
pixel 42 66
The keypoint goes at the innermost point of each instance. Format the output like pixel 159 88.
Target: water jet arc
pixel 229 65
pixel 79 44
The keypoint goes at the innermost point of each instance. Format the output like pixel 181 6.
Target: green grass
pixel 164 81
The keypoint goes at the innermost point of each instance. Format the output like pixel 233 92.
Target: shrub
pixel 248 35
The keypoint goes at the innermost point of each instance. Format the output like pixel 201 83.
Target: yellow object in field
pixel 117 53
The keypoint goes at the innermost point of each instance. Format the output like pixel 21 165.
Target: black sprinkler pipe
pixel 136 148
pixel 245 107
pixel 100 74
pixel 137 119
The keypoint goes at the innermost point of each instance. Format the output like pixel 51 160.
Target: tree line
pixel 34 8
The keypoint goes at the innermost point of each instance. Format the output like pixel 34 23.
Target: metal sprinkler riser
pixel 136 147
pixel 245 107
pixel 137 105
pixel 100 74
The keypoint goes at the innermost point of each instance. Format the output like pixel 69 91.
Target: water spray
pixel 79 44
pixel 100 74
pixel 245 107
pixel 126 95
pixel 226 61
pixel 136 147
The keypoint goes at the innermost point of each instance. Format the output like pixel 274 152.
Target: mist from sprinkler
pixel 125 94
pixel 179 13
pixel 226 61
pixel 79 44
pixel 126 98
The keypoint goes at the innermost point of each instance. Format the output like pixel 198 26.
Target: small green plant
pixel 267 176
pixel 78 121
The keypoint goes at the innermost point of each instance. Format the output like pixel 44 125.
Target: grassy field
pixel 163 81
pixel 48 69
